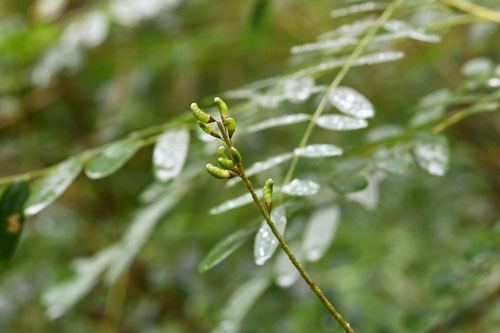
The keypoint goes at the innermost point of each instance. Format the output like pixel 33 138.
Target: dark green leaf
pixel 12 218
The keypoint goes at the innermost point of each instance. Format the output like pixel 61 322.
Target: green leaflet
pixel 111 159
pixel 265 241
pixel 225 248
pixel 170 154
pixel 12 218
pixel 319 232
pixel 53 185
pixel 240 303
pixel 432 153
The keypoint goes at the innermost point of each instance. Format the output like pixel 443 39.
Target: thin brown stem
pixel 347 327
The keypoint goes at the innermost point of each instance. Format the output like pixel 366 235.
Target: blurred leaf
pixel 319 232
pixel 53 185
pixel 225 248
pixel 432 153
pixel 351 102
pixel 340 123
pixel 263 166
pixel 369 196
pixel 170 154
pixel 12 218
pixel 396 159
pixel 318 150
pixel 111 159
pixel 348 184
pixel 240 303
pixel 60 298
pixel 299 188
pixel 286 274
pixel 265 241
pixel 279 121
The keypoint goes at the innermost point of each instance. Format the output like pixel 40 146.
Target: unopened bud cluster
pixel 227 126
pixel 229 164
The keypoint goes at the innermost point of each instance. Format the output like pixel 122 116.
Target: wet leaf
pixel 341 123
pixel 53 185
pixel 300 188
pixel 318 150
pixel 111 159
pixel 368 197
pixel 279 121
pixel 319 232
pixel 263 166
pixel 351 102
pixel 12 218
pixel 225 248
pixel 396 159
pixel 170 154
pixel 432 153
pixel 265 241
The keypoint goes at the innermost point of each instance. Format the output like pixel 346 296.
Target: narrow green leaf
pixel 340 123
pixel 432 153
pixel 240 303
pixel 170 154
pixel 225 248
pixel 111 159
pixel 300 188
pixel 351 102
pixel 53 185
pixel 319 232
pixel 265 241
pixel 12 218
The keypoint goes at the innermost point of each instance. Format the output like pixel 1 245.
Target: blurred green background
pixel 78 74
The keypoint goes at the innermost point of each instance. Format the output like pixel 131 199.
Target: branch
pixel 336 81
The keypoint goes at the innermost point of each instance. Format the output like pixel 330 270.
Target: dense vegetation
pixel 378 122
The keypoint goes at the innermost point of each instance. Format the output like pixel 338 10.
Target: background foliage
pixel 415 252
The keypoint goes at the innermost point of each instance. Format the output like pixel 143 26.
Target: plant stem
pixel 336 81
pixel 291 255
pixel 475 10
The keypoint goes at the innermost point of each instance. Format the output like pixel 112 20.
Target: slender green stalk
pixel 336 81
pixel 347 327
pixel 475 10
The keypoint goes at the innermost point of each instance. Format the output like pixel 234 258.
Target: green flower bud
pixel 268 194
pixel 200 115
pixel 226 163
pixel 208 129
pixel 219 173
pixel 222 107
pixel 221 152
pixel 230 125
pixel 236 155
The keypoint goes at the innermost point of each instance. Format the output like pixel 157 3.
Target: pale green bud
pixel 224 112
pixel 221 152
pixel 230 125
pixel 200 115
pixel 219 173
pixel 208 129
pixel 268 194
pixel 226 163
pixel 236 155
